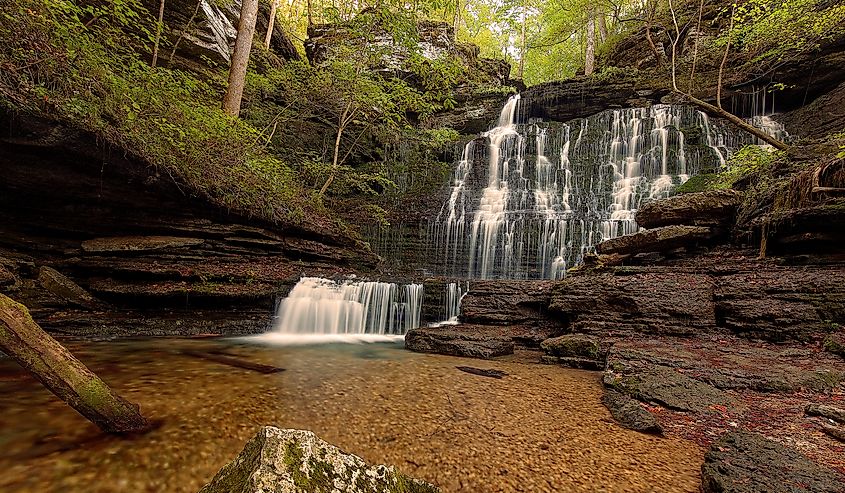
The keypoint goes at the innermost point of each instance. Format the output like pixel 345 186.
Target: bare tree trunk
pixel 648 23
pixel 724 60
pixel 522 45
pixel 714 110
pixel 695 49
pixel 71 381
pixel 182 33
pixel 739 122
pixel 240 58
pixel 270 23
pixel 310 19
pixel 341 126
pixel 158 33
pixel 590 52
pixel 602 26
pixel 457 17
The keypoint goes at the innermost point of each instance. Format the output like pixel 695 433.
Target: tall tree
pixel 590 52
pixel 158 33
pixel 240 58
pixel 270 23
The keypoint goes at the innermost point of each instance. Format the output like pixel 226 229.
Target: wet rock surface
pixel 712 208
pixel 629 413
pixel 743 462
pixel 459 342
pixel 506 303
pixel 297 460
pixel 657 240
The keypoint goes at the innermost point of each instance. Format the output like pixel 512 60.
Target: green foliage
pixel 76 63
pixel 772 30
pixel 749 160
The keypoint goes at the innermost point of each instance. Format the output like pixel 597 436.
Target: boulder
pixel 574 350
pixel 745 462
pixel 454 341
pixel 629 413
pixel 574 345
pixel 711 208
pixel 656 240
pixel 284 460
pixel 59 285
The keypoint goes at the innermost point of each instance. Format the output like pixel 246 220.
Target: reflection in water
pixel 541 428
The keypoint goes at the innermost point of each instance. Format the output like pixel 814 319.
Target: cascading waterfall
pixel 318 306
pixel 553 191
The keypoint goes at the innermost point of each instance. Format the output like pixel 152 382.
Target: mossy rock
pixel 283 460
pixel 573 346
pixel 835 343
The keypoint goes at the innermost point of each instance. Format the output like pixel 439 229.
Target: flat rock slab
pixel 656 240
pixel 667 387
pixel 291 461
pixel 469 341
pixel 629 413
pixel 731 363
pixel 58 284
pixel 137 243
pixel 744 462
pixel 708 208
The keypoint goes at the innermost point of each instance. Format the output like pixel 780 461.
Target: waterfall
pixel 530 199
pixel 317 306
pixel 454 294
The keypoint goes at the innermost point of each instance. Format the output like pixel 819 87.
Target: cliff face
pixel 130 251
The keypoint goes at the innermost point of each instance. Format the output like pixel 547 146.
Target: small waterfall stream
pixel 333 309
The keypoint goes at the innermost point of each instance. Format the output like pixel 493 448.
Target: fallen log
pixel 232 360
pixel 483 372
pixel 64 375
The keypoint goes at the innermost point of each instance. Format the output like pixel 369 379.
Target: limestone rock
pixel 835 343
pixel 137 243
pixel 825 411
pixel 454 341
pixel 629 413
pixel 506 302
pixel 667 387
pixel 56 283
pixel 709 208
pixel 573 345
pixel 744 462
pixel 292 461
pixel 656 240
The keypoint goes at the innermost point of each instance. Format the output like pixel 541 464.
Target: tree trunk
pixel 724 60
pixel 602 26
pixel 590 52
pixel 522 46
pixel 310 19
pixel 340 128
pixel 158 33
pixel 240 58
pixel 270 23
pixel 54 366
pixel 739 122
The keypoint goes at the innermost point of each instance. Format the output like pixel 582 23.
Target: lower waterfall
pixel 349 309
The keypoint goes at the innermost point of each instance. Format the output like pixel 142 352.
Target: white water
pixel 322 310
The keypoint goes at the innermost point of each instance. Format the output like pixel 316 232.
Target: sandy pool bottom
pixel 539 429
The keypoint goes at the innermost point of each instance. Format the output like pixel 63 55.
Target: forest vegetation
pixel 311 135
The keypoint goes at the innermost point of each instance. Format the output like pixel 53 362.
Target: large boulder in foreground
pixel 656 240
pixel 292 461
pixel 710 208
pixel 744 462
